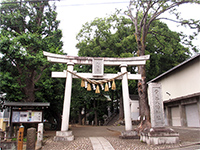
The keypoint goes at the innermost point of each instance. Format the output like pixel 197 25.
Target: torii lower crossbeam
pixel 97 73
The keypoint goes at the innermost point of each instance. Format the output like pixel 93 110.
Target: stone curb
pixel 113 130
pixel 184 146
pixel 188 144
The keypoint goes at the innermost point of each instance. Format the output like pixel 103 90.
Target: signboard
pixel 98 67
pixel 26 116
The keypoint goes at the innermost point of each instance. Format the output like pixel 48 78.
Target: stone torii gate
pixel 97 73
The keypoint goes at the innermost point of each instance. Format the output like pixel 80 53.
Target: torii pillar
pixel 126 99
pixel 98 73
pixel 67 98
pixel 65 134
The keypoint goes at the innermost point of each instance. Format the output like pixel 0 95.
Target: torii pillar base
pixel 129 135
pixel 159 135
pixel 63 136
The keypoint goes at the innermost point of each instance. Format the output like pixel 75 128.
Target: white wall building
pixel 134 102
pixel 181 93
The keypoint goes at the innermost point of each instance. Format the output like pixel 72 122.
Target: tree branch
pixel 159 41
pixel 146 13
pixel 130 13
pixel 169 20
pixel 154 32
pixel 157 13
pixel 39 75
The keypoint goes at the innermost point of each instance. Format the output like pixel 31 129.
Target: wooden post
pixel 10 124
pixel 20 138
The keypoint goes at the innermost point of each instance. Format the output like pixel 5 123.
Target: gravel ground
pixel 135 144
pixel 80 143
pixel 188 136
pixel 83 143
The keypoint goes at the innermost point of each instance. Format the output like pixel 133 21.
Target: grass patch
pixel 15 139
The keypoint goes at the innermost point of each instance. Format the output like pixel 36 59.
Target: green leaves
pixel 26 31
pixel 105 37
pixel 162 44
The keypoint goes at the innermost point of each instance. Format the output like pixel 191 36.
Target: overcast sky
pixel 73 14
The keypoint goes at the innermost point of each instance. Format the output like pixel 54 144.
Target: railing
pixel 107 120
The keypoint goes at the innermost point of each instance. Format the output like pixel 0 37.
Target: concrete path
pixel 93 131
pixel 84 135
pixel 100 143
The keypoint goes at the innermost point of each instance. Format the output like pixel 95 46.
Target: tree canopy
pixel 27 29
pixel 114 37
pixel 143 14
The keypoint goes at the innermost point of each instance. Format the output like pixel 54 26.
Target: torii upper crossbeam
pixel 98 73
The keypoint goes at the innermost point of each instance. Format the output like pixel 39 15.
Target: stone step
pixel 63 138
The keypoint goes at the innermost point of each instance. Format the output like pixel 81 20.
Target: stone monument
pixel 158 133
pixel 31 138
pixel 39 136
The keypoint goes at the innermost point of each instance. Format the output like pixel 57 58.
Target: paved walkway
pixel 107 138
pixel 100 143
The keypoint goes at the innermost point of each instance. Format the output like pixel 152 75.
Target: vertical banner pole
pixel 20 138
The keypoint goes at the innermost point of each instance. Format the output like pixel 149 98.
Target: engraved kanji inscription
pixel 157 105
pixel 98 67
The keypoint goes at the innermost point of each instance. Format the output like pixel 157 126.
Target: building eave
pixel 174 68
pixel 182 97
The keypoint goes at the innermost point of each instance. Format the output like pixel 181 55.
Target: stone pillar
pixel 168 115
pixel 109 113
pixel 39 136
pixel 156 105
pixel 183 115
pixel 158 133
pixel 31 138
pixel 64 134
pixel 198 106
pixel 126 99
pixel 67 98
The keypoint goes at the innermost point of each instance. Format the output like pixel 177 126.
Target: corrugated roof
pixel 174 68
pixel 30 104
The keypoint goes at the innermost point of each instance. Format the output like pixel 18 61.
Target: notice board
pixel 26 116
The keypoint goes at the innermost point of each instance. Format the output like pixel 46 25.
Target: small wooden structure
pixel 24 112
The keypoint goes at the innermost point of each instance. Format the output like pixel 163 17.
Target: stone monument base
pixel 63 136
pixel 129 135
pixel 159 135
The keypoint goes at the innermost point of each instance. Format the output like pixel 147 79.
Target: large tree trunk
pixel 143 99
pixel 142 85
pixel 142 88
pixel 29 91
